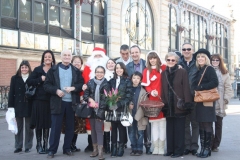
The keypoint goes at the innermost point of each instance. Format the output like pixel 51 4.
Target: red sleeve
pixel 163 67
pixel 86 72
pixel 145 81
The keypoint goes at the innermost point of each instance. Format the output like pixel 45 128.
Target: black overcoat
pixel 17 99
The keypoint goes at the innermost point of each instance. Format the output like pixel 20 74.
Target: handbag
pixel 210 95
pixel 180 101
pixel 126 119
pixel 83 110
pixel 30 91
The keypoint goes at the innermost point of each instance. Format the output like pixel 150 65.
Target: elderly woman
pixel 225 92
pixel 205 111
pixel 175 85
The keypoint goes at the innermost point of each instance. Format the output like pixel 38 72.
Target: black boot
pixel 73 145
pixel 89 148
pixel 39 140
pixel 207 148
pixel 147 139
pixel 107 142
pixel 202 140
pixel 120 150
pixel 45 141
pixel 114 150
pixel 148 148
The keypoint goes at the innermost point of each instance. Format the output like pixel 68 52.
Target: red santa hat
pixel 98 50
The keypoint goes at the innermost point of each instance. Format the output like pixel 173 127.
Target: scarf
pixel 97 91
pixel 24 77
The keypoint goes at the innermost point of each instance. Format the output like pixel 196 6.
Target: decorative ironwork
pixel 4 96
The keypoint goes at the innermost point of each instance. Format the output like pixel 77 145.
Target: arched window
pixel 172 30
pixel 137 24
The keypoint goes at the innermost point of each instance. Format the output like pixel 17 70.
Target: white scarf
pixel 24 77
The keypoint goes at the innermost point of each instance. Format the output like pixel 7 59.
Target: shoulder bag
pixel 180 102
pixel 83 110
pixel 210 95
pixel 30 91
pixel 126 119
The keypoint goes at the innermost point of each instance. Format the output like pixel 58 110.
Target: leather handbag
pixel 126 119
pixel 83 110
pixel 210 95
pixel 30 91
pixel 180 101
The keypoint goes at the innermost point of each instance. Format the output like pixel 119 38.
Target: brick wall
pixel 7 70
pixel 34 64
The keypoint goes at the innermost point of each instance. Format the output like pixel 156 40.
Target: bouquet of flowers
pixel 112 98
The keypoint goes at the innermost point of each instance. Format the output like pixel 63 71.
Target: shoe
pixel 176 155
pixel 69 153
pixel 139 153
pixel 168 154
pixel 39 140
pixel 18 150
pixel 45 142
pixel 106 142
pixel 186 152
pixel 133 153
pixel 202 142
pixel 194 152
pixel 27 150
pixel 125 146
pixel 120 150
pixel 50 155
pixel 95 150
pixel 100 152
pixel 215 149
pixel 74 148
pixel 207 150
pixel 148 148
pixel 114 150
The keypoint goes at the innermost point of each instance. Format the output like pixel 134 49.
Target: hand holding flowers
pixel 112 98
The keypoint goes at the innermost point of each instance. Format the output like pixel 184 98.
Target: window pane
pixel 86 23
pixel 54 1
pixel 56 44
pixel 87 48
pixel 54 15
pixel 173 43
pixel 173 21
pixel 8 8
pixel 98 9
pixel 66 18
pixel 66 2
pixel 25 10
pixel 39 13
pixel 68 44
pixel 98 25
pixel 86 7
pixel 27 40
pixel 41 42
pixel 9 38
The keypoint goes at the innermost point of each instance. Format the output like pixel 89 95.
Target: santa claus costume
pixel 152 82
pixel 88 73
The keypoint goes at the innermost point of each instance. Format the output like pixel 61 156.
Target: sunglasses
pixel 215 60
pixel 188 49
pixel 173 60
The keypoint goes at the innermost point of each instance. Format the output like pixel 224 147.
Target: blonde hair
pixel 206 58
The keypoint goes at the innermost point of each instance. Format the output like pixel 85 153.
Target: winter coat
pixel 139 116
pixel 125 91
pixel 35 79
pixel 130 67
pixel 90 93
pixel 52 84
pixel 225 93
pixel 209 81
pixel 191 70
pixel 17 99
pixel 178 79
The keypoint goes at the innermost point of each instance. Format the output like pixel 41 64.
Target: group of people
pixel 61 87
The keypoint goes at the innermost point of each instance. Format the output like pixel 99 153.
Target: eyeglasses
pixel 215 60
pixel 188 49
pixel 173 60
pixel 100 72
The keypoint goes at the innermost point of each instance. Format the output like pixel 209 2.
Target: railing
pixel 4 96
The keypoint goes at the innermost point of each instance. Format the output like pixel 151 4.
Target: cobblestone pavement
pixel 228 150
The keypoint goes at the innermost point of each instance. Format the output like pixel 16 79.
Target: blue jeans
pixel 136 137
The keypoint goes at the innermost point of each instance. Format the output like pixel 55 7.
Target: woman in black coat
pixel 205 111
pixel 123 84
pixel 22 106
pixel 41 115
pixel 94 95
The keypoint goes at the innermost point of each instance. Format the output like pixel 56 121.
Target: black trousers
pixel 217 137
pixel 118 127
pixel 175 135
pixel 66 108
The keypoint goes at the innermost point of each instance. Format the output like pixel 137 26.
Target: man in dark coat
pixel 63 82
pixel 188 62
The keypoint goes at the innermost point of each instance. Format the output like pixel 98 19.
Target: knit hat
pixel 98 50
pixel 203 51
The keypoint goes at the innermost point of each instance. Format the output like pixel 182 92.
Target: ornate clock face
pixel 137 23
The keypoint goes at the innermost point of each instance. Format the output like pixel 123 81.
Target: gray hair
pixel 172 54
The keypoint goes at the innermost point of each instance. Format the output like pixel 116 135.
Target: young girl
pixel 136 130
pixel 152 82
pixel 94 94
pixel 123 84
pixel 18 101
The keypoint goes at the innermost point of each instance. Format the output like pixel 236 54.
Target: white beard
pixel 93 63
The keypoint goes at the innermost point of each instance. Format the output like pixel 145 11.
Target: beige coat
pixel 139 116
pixel 225 95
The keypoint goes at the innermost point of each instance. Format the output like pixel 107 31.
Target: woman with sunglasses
pixel 22 106
pixel 152 82
pixel 225 92
pixel 175 85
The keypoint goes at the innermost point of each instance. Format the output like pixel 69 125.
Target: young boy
pixel 136 130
